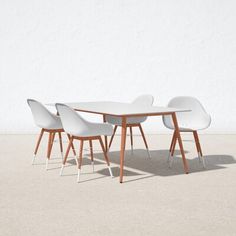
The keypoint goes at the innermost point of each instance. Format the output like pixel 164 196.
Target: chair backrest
pixel 42 116
pixel 146 100
pixel 72 122
pixel 197 118
pixel 143 100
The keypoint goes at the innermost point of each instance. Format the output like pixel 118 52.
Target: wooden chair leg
pixel 38 142
pixel 80 159
pixel 131 138
pixel 178 136
pixel 37 145
pixel 196 143
pixel 72 145
pixel 105 137
pixel 171 147
pixel 50 142
pixel 172 142
pixel 172 150
pixel 91 153
pixel 61 146
pixel 66 155
pixel 114 132
pixel 144 139
pixel 198 146
pixel 68 150
pixel 122 147
pixel 106 156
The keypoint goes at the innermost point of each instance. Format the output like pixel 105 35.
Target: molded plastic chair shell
pixel 75 125
pixel 43 117
pixel 196 119
pixel 143 100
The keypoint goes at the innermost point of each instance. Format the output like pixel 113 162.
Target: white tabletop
pixel 121 109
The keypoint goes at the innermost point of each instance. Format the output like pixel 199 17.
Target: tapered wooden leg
pixel 60 140
pixel 198 146
pixel 68 150
pixel 199 149
pixel 91 153
pixel 91 149
pixel 80 159
pixel 37 145
pixel 106 156
pixel 122 149
pixel 66 155
pixel 49 144
pixel 180 142
pixel 172 141
pixel 144 139
pixel 114 132
pixel 131 138
pixel 52 140
pixel 38 142
pixel 104 151
pixel 72 145
pixel 106 145
pixel 171 147
pixel 80 153
pixel 171 154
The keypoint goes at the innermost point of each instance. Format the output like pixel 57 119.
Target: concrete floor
pixel 153 200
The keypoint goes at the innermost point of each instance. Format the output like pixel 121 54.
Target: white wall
pixel 80 50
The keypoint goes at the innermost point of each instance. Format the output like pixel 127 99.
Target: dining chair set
pixel 69 121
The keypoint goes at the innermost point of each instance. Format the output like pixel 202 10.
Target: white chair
pixel 49 123
pixel 80 129
pixel 143 100
pixel 192 121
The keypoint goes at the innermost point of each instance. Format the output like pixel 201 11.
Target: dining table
pixel 125 111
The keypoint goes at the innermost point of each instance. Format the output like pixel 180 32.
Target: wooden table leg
pixel 122 148
pixel 177 133
pixel 106 146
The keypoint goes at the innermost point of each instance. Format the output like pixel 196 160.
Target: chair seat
pixel 196 128
pixel 52 124
pixel 131 120
pixel 187 129
pixel 95 129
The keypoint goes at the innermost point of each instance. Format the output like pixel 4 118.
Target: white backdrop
pixel 86 50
